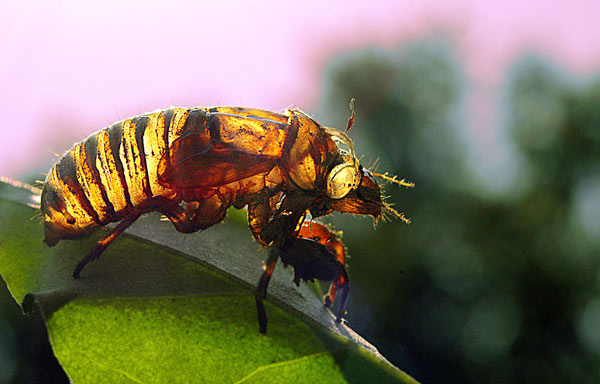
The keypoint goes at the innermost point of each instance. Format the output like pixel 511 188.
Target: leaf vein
pixel 281 364
pixel 127 375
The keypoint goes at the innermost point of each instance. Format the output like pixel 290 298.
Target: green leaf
pixel 160 306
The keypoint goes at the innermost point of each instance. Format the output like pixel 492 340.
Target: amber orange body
pixel 209 159
pixel 191 164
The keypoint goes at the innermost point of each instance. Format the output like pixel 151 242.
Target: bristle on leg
pixel 387 209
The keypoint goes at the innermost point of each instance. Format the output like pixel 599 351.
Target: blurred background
pixel 493 110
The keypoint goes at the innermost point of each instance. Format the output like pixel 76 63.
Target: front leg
pixel 331 240
pixel 312 260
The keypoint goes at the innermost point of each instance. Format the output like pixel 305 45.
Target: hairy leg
pixel 105 242
pixel 261 289
pixel 276 232
pixel 167 207
pixel 331 240
pixel 312 260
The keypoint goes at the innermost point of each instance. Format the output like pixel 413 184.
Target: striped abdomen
pixel 172 154
pixel 106 176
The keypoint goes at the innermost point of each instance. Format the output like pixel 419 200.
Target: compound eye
pixel 342 180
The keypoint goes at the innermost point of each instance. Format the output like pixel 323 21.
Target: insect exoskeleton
pixel 191 164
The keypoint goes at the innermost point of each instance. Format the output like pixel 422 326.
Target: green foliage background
pixel 493 282
pixel 498 277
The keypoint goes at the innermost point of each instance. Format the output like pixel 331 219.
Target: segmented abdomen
pixel 104 177
pixel 112 172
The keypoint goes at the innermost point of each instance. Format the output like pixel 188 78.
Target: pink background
pixel 68 68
